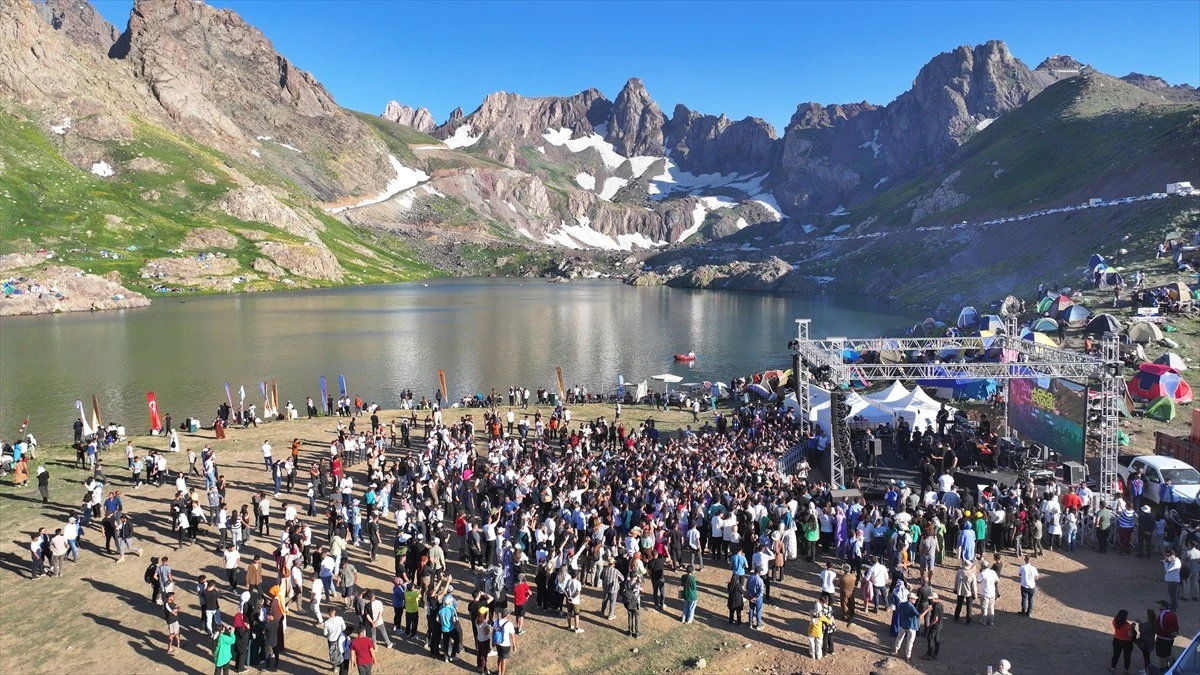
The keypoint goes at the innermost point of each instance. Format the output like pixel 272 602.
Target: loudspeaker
pixel 1074 473
pixel 876 447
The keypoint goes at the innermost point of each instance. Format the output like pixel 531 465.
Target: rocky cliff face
pixel 1058 68
pixel 80 22
pixel 702 144
pixel 513 117
pixel 221 81
pixel 636 127
pixel 420 118
pixel 1180 93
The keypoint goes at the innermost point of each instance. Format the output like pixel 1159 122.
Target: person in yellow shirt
pixel 817 625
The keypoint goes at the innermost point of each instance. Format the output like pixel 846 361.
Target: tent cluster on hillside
pixel 1102 273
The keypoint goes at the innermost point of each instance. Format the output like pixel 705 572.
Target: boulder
pixel 313 262
pixel 202 238
pixel 258 203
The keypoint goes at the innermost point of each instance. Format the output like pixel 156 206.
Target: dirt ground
pixel 98 617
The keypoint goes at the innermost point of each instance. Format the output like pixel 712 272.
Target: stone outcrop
pixel 636 123
pixel 1180 93
pixel 772 274
pixel 257 203
pixel 312 262
pixel 512 117
pixel 203 238
pixel 267 267
pixel 708 144
pixel 60 288
pixel 419 118
pixel 1058 68
pixel 80 22
pixel 943 198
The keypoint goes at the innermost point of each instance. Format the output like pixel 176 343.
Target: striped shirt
pixel 1126 519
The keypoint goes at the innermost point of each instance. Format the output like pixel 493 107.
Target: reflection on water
pixel 484 333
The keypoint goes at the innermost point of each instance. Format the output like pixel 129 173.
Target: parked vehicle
pixel 1156 470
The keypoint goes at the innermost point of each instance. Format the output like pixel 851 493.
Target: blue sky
pixel 744 58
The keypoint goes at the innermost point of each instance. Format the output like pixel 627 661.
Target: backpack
pixel 151 573
pixel 498 632
pixel 1185 573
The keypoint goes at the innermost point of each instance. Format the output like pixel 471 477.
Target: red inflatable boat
pixel 690 356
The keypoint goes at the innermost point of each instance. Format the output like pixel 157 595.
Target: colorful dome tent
pixel 992 323
pixel 1044 325
pixel 1178 291
pixel 1103 323
pixel 1096 259
pixel 1161 409
pixel 1110 278
pixel 1154 380
pixel 1038 338
pixel 1060 305
pixel 1173 361
pixel 968 318
pixel 1076 316
pixel 1043 306
pixel 1144 333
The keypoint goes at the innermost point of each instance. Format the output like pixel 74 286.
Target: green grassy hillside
pixel 46 202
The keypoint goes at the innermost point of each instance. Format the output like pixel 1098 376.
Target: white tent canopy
pixel 895 392
pixel 918 408
pixel 668 378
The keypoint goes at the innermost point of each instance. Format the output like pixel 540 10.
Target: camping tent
pixel 1161 409
pixel 1144 333
pixel 992 323
pixel 968 318
pixel 1178 291
pixel 1103 323
pixel 1044 325
pixel 1076 315
pixel 1110 278
pixel 894 392
pixel 1096 259
pixel 1154 380
pixel 1038 338
pixel 1173 361
pixel 1060 305
pixel 1044 304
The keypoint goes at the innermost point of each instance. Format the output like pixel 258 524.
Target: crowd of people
pixel 537 510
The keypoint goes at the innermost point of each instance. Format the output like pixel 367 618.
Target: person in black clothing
pixel 78 427
pixel 657 581
pixel 933 616
pixel 43 479
pixel 943 418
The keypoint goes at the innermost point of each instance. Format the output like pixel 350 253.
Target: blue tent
pixel 1096 259
pixel 968 318
pixel 1045 325
pixel 992 322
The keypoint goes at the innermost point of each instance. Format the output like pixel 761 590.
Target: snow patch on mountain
pixel 462 138
pixel 742 224
pixel 611 186
pixel 581 235
pixel 873 144
pixel 984 123
pixel 879 182
pixel 61 129
pixel 102 169
pixel 611 158
pixel 839 211
pixel 586 181
pixel 405 179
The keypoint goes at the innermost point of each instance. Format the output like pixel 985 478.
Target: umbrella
pixel 1039 338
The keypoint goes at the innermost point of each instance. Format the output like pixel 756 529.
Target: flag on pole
pixel 442 384
pixel 87 428
pixel 228 395
pixel 274 398
pixel 24 426
pixel 324 393
pixel 155 422
pixel 342 384
pixel 96 421
pixel 241 396
pixel 562 387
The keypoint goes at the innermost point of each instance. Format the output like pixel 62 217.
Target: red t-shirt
pixel 520 594
pixel 361 646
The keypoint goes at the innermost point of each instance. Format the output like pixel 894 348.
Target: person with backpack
pixel 504 638
pixel 631 597
pixel 151 577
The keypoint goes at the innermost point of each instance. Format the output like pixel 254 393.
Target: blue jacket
pixel 754 587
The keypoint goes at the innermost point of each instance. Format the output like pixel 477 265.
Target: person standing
pixel 754 598
pixel 572 592
pixel 909 622
pixel 376 620
pixel 631 597
pixel 171 611
pixel 231 559
pixel 988 591
pixel 1103 522
pixel 690 595
pixel 504 638
pixel 58 552
pixel 933 617
pixel 1028 575
pixel 610 584
pixel 43 479
pixel 1166 629
pixel 334 628
pixel 965 586
pixel 1172 567
pixel 846 585
pixel 1191 561
pixel 223 650
pixel 362 652
pixel 1124 634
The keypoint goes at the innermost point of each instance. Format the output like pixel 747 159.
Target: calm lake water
pixel 384 339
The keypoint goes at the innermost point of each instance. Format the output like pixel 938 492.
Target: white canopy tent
pixel 918 408
pixel 888 396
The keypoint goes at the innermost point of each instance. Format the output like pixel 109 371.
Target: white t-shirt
pixel 335 628
pixel 1028 575
pixel 987 583
pixel 828 579
pixel 377 612
pixel 266 449
pixel 878 575
pixel 318 591
pixel 507 631
pixel 231 559
pixel 945 482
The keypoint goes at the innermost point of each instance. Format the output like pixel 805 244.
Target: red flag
pixel 155 422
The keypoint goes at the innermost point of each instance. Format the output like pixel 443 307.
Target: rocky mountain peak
pixel 420 118
pixel 1180 93
pixel 456 116
pixel 79 21
pixel 1058 67
pixel 636 124
pixel 703 144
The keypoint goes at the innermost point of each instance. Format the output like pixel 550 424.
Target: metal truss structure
pixel 939 356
